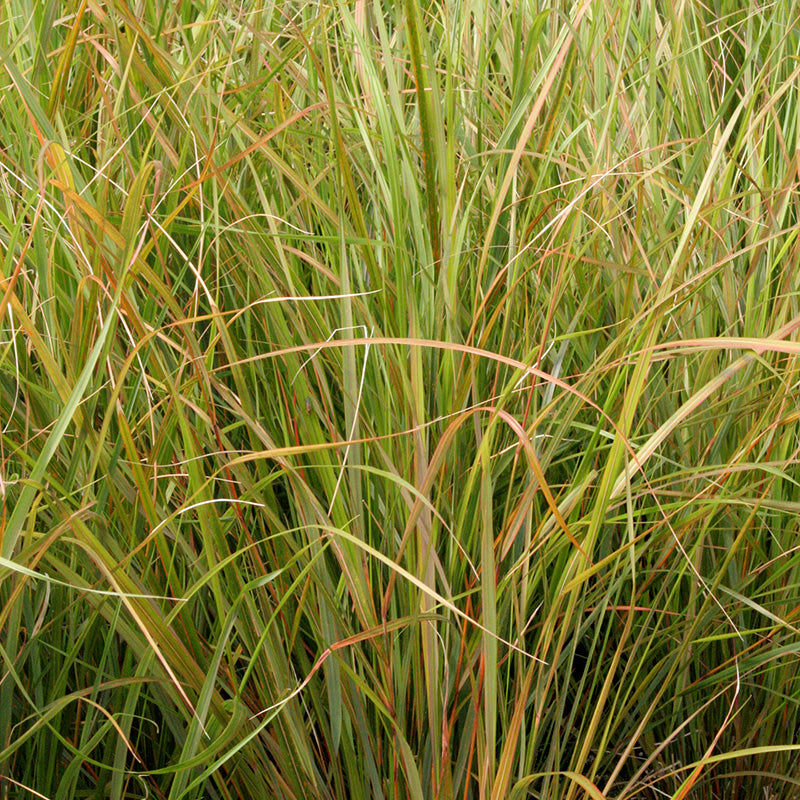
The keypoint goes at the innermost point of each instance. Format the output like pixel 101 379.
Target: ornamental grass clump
pixel 399 400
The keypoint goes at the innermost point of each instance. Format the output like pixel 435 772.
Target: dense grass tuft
pixel 399 400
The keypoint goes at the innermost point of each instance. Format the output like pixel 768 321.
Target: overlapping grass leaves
pixel 398 400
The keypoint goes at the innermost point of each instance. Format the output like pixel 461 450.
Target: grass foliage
pixel 399 400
